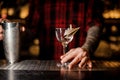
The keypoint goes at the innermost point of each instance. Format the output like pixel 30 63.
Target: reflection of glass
pixel 62 38
pixel 11 75
pixel 72 74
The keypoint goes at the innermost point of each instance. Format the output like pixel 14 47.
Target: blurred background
pixel 19 10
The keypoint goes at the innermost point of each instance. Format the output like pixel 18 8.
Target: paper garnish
pixel 70 31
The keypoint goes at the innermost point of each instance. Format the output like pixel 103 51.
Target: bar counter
pixel 48 70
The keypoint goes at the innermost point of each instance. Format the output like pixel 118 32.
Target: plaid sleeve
pixel 94 26
pixel 92 38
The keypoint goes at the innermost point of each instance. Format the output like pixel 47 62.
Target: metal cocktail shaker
pixel 11 41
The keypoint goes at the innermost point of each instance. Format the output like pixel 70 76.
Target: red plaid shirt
pixel 48 14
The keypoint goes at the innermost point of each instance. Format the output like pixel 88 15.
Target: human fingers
pixel 77 58
pixel 85 62
pixel 89 63
pixel 68 56
pixel 0 19
pixel 1 30
pixel 61 57
pixel 1 34
pixel 74 61
pixel 4 20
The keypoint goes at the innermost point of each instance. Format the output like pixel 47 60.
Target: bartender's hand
pixel 1 33
pixel 1 30
pixel 77 56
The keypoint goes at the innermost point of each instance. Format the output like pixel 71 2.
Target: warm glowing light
pixel 113 28
pixel 23 29
pixel 10 11
pixel 111 14
pixel 24 11
pixel 106 15
pixel 36 41
pixel 35 48
pixel 113 38
pixel 114 47
pixel 115 13
pixel 4 13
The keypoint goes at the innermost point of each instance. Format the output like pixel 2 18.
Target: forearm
pixel 92 39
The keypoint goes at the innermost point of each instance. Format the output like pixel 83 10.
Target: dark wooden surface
pixel 47 70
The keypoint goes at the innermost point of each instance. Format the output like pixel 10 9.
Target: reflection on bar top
pixel 50 65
